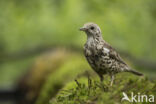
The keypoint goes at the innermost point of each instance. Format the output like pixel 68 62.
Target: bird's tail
pixel 135 72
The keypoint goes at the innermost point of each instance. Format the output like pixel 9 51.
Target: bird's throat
pixel 90 39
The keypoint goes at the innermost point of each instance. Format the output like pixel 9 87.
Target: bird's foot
pixel 104 87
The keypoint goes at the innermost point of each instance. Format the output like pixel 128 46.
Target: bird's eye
pixel 92 28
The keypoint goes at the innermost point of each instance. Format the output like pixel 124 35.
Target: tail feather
pixel 135 72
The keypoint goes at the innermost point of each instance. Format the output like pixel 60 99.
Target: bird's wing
pixel 113 54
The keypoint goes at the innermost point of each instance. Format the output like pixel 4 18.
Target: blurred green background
pixel 30 27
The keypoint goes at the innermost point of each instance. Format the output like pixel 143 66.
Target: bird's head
pixel 91 29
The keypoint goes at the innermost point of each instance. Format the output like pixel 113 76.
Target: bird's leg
pixel 112 80
pixel 101 78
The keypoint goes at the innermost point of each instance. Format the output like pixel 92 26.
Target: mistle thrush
pixel 101 56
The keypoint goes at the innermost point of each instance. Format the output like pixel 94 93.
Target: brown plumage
pixel 101 56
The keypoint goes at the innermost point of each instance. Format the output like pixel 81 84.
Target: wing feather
pixel 113 54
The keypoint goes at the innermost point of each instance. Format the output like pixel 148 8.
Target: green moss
pixel 65 73
pixel 89 91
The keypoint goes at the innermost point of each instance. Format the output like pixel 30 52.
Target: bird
pixel 102 58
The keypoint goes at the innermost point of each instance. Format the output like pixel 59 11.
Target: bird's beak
pixel 83 29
